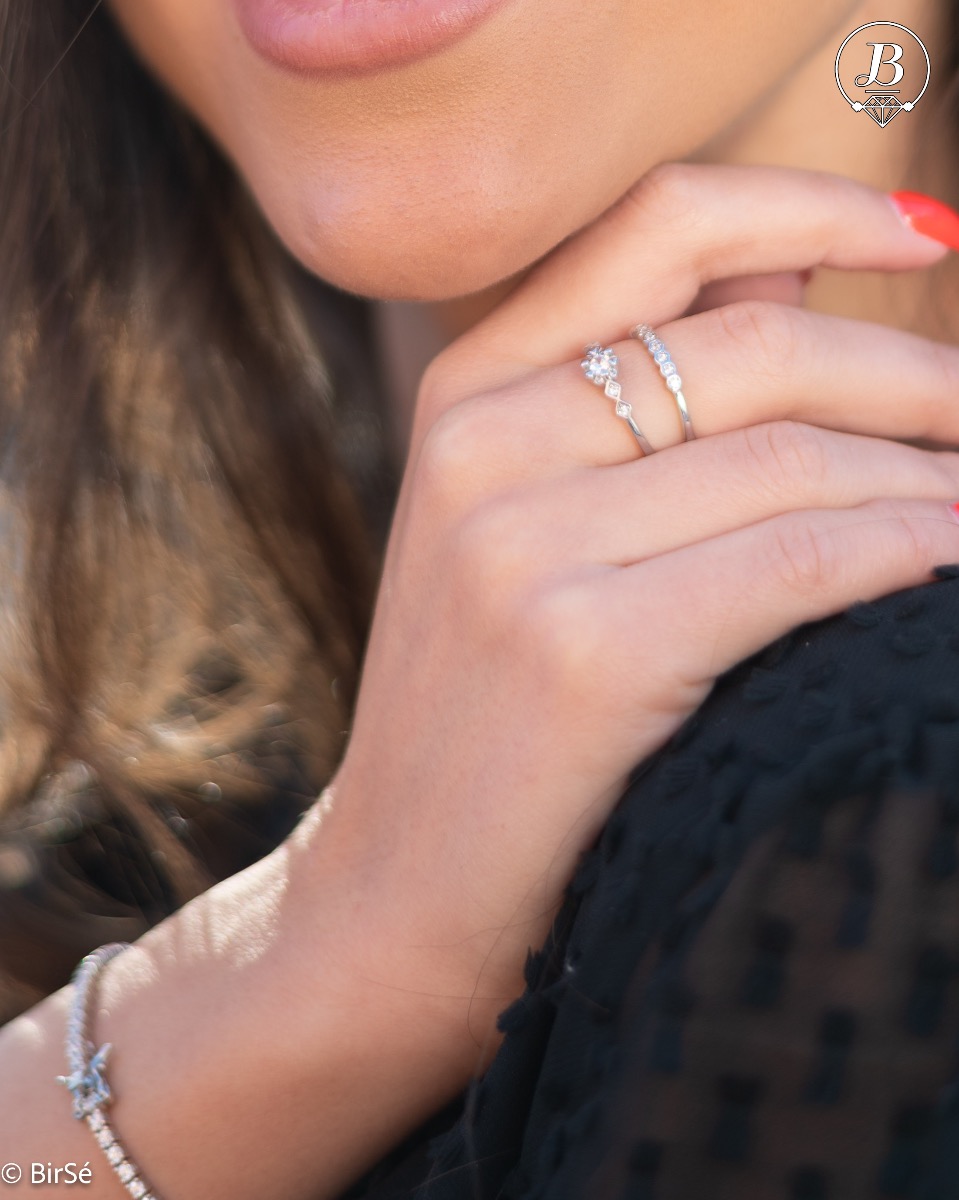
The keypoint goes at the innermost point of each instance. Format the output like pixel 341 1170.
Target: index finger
pixel 680 227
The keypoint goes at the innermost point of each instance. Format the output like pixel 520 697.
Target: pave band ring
pixel 667 368
pixel 600 366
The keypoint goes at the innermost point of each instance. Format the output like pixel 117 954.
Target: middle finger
pixel 742 364
pixel 616 516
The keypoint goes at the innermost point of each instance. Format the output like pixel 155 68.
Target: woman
pixel 195 509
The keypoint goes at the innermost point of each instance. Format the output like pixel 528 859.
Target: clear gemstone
pixel 599 364
pixel 114 1154
pixel 668 367
pixel 674 383
pixel 137 1188
pixel 613 389
pixel 623 409
pixel 125 1171
pixel 661 356
pixel 654 344
pixel 95 1120
pixel 105 1138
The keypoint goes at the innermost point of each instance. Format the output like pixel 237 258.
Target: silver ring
pixel 600 366
pixel 667 368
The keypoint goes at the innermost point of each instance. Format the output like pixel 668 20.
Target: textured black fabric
pixel 750 992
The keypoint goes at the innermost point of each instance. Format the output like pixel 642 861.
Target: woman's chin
pixel 427 260
pixel 438 272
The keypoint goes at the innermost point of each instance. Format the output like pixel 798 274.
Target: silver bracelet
pixel 87 1082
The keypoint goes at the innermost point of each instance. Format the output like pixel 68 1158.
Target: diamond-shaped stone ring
pixel 600 366
pixel 667 368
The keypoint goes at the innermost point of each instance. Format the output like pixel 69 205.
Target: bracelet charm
pixel 87 1082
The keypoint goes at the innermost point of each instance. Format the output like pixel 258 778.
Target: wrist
pixel 275 1005
pixel 412 940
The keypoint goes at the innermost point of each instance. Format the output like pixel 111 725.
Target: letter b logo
pixel 898 72
pixel 878 61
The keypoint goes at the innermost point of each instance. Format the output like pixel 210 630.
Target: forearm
pixel 269 1039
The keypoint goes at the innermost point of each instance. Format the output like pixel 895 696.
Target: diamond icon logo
pixel 882 109
pixel 882 69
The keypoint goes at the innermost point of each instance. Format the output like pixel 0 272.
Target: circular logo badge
pixel 882 69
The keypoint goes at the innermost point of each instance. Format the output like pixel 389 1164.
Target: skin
pixel 502 705
pixel 317 152
pixel 368 179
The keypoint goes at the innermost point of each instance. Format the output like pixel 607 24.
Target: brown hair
pixel 191 526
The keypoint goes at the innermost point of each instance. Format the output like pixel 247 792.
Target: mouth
pixel 330 36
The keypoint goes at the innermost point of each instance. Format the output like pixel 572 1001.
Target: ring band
pixel 600 366
pixel 667 368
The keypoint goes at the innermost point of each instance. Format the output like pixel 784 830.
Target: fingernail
pixel 954 509
pixel 929 217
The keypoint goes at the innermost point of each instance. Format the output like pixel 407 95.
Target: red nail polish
pixel 954 509
pixel 927 216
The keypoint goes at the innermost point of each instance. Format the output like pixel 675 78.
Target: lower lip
pixel 355 35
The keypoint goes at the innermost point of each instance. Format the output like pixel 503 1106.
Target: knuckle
pixel 455 456
pixel 787 456
pixel 667 192
pixel 912 539
pixel 562 634
pixel 765 332
pixel 444 382
pixel 489 561
pixel 803 557
pixel 444 461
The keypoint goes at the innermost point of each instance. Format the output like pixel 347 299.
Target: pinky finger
pixel 701 609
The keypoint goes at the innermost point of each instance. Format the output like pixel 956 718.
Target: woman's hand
pixel 553 605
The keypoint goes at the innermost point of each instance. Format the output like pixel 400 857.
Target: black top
pixel 750 992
